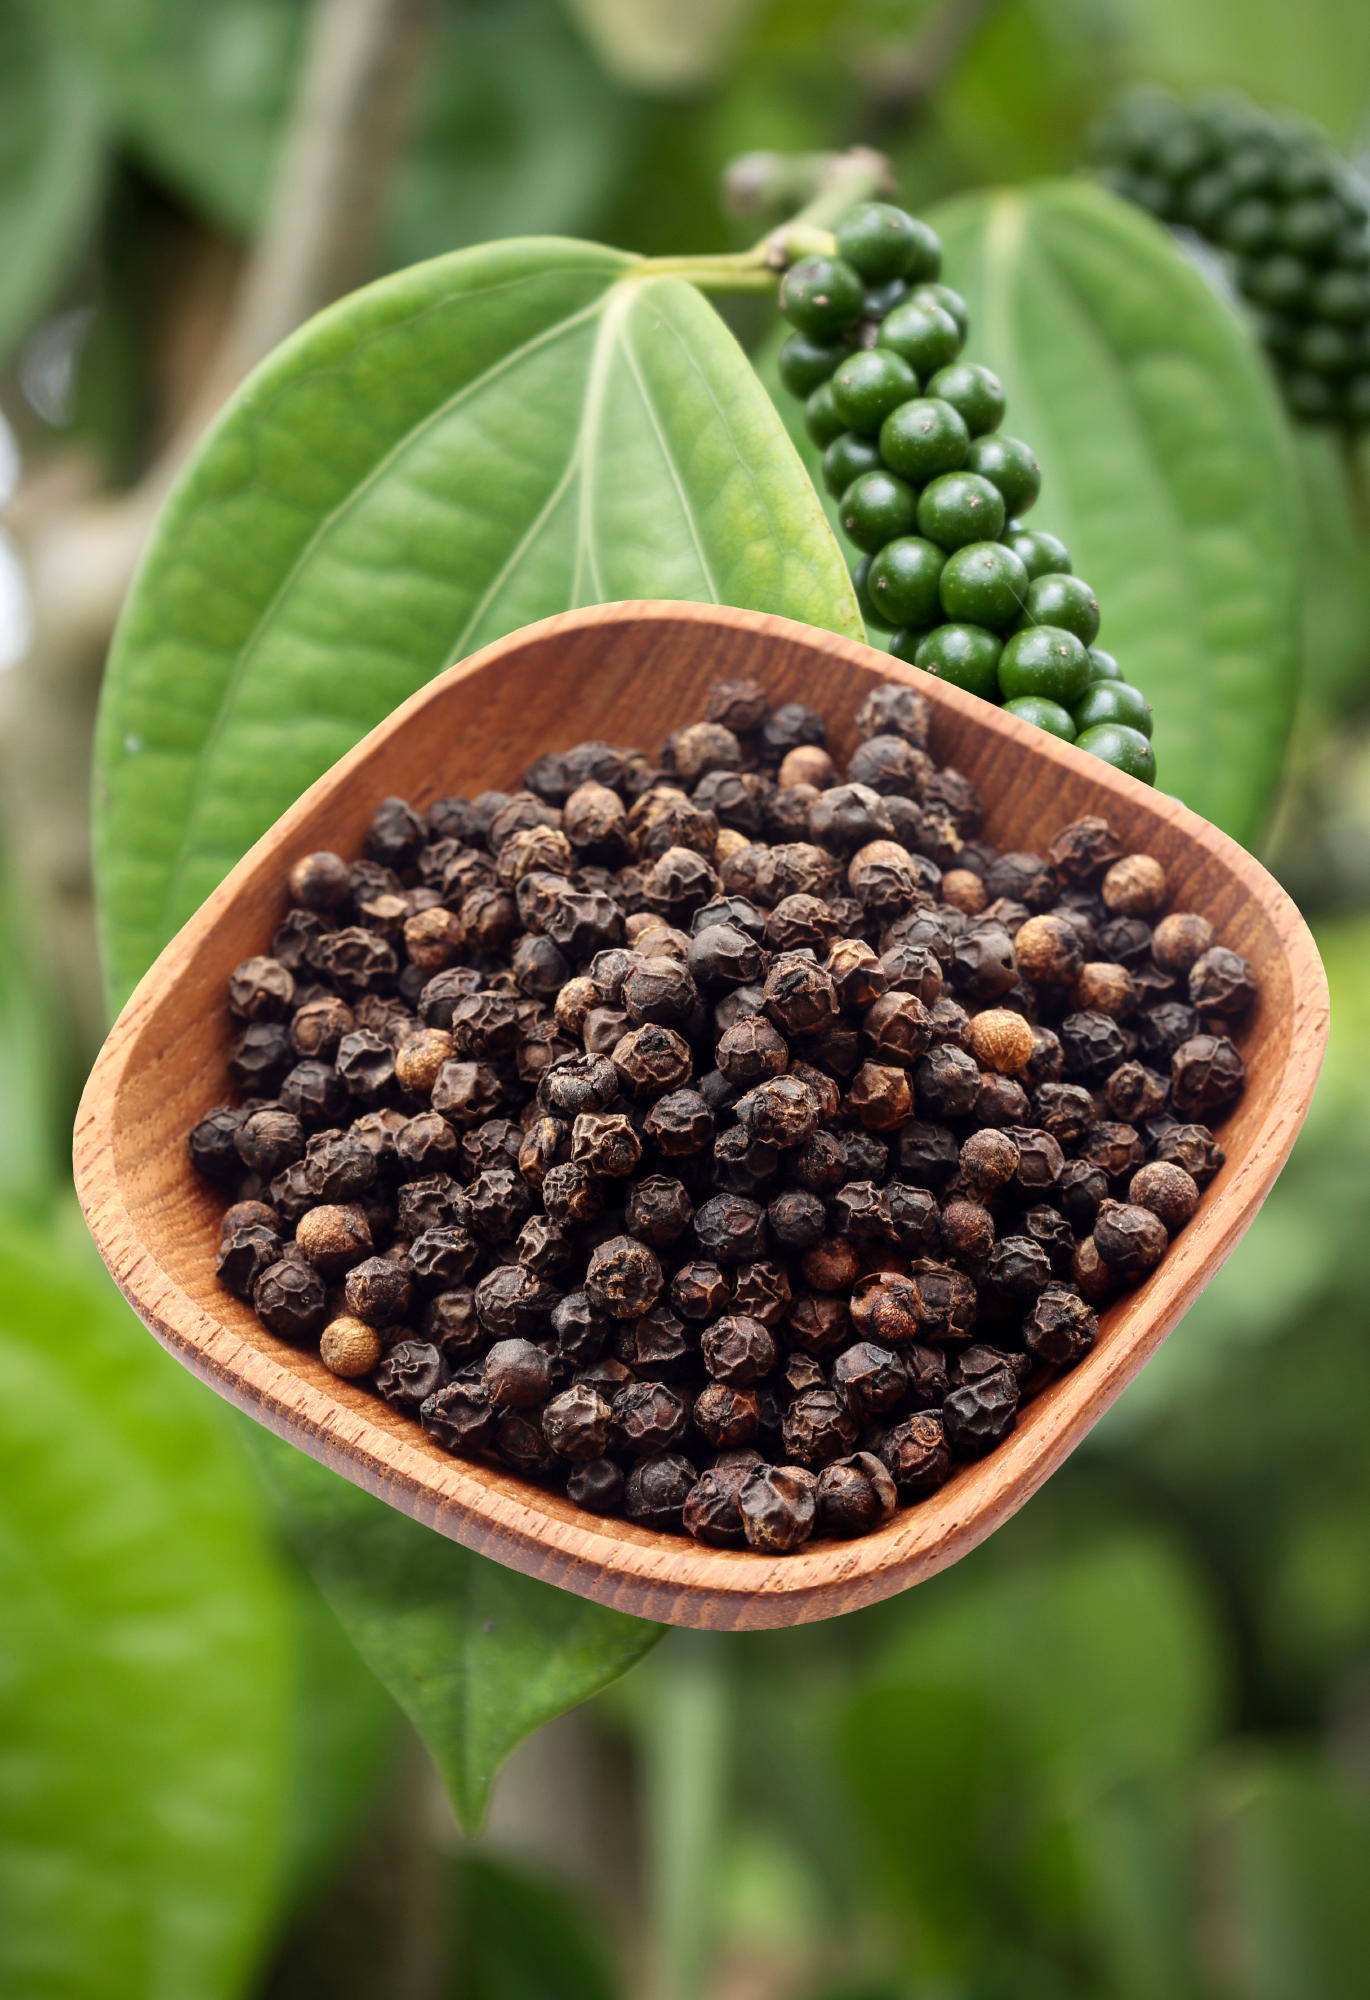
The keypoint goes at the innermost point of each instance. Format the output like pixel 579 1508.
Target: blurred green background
pixel 1122 1752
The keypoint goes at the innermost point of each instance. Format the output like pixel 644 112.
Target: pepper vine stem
pixel 837 182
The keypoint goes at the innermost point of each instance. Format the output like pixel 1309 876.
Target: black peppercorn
pixel 578 1084
pixel 1206 1074
pixel 260 1056
pixel 656 1490
pixel 1080 1188
pixel 337 1167
pixel 572 1195
pixel 650 1061
pixel 289 1298
pixel 1060 1329
pixel 410 1373
pixel 511 1302
pixel 916 1453
pixel 597 1486
pixel 1131 1240
pixel 658 1210
pixel 451 1323
pixel 243 1254
pixel 699 1290
pixel 576 1423
pixel 624 1277
pixel 978 1415
pixel 605 1143
pixel 946 1082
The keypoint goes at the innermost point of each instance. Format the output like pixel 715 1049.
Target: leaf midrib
pixel 205 757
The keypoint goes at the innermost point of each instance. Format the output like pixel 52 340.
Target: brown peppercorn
pixel 1064 1110
pixel 576 1423
pixel 659 990
pixel 518 1375
pixel 1083 850
pixel 605 1144
pixel 261 989
pixel 751 1051
pixel 699 1290
pixel 334 1237
pixel 881 1096
pixel 726 1416
pixel 779 1506
pixel 897 1028
pixel 650 1061
pixel 1192 1147
pixel 1001 1101
pixel 1179 939
pixel 984 966
pixel 946 1082
pixel 700 747
pixel 419 1059
pixel 1167 1190
pixel 337 1167
pixel 964 890
pixel 885 879
pixel 967 1229
pixel 793 868
pixel 1134 1093
pixel 320 881
pixel 679 883
pixel 916 1453
pixel 317 1027
pixel 740 705
pixel 1001 1040
pixel 511 1301
pixel 546 1144
pixel 623 1278
pixel 1206 1074
pixel 1049 951
pixel 349 1347
pixel 427 1144
pixel 830 1265
pixel 595 822
pixel 246 1250
pixel 269 1141
pixel 1105 988
pixel 571 1194
pixel 731 1230
pixel 433 939
pixel 1135 886
pixel 680 1124
pixel 1040 1159
pixel 806 764
pixel 894 710
pixel 466 1093
pixel 781 1112
pixel 1221 982
pixel 989 1160
pixel 658 1210
pixel 578 1084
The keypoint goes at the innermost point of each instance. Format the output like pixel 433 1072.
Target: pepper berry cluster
pixel 933 491
pixel 1290 214
pixel 719 1139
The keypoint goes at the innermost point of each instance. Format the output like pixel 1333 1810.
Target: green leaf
pixel 51 164
pixel 1166 466
pixel 476 1655
pixel 200 87
pixel 443 457
pixel 144 1658
pixel 1336 597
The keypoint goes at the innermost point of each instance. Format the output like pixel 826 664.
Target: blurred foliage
pixel 1123 1750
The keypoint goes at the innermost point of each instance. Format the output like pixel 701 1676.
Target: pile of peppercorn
pixel 722 1140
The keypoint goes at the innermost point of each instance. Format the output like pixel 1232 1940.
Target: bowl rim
pixel 637 1570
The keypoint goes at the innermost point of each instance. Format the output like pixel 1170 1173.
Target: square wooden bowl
pixel 629 673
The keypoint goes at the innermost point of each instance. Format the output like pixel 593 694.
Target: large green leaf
pixel 1167 467
pixel 1336 598
pixel 144 1659
pixel 442 458
pixel 51 159
pixel 477 1656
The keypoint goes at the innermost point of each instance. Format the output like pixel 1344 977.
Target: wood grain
pixel 629 673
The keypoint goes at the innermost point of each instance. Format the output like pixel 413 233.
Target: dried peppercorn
pixel 1129 1239
pixel 979 1415
pixel 244 1254
pixel 946 1082
pixel 1167 1190
pixel 778 1504
pixel 289 1298
pixel 1206 1074
pixel 410 1372
pixel 916 1453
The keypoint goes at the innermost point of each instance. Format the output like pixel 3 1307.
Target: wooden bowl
pixel 630 673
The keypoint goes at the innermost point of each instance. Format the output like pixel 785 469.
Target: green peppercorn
pixel 903 581
pixel 1103 666
pixel 876 508
pixel 1040 554
pixel 983 584
pixel 821 296
pixel 1044 660
pixel 1010 465
pixel 1048 715
pixel 965 655
pixel 976 392
pixel 821 420
pixel 882 242
pixel 924 438
pixel 1063 601
pixel 1126 749
pixel 845 459
pixel 805 363
pixel 872 612
pixel 868 386
pixel 1280 281
pixel 905 642
pixel 959 508
pixel 950 302
pixel 1113 701
pixel 924 335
